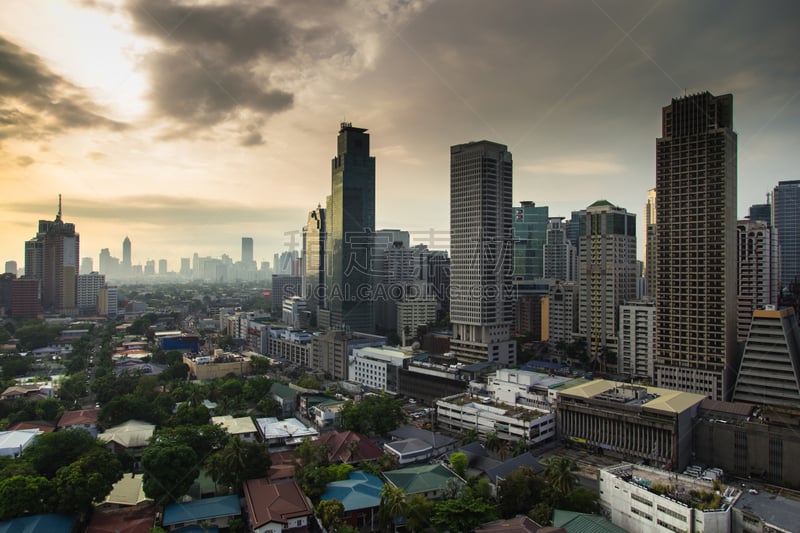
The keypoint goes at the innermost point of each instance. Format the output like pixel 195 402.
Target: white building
pixel 13 442
pixel 413 312
pixel 377 367
pixel 522 387
pixel 89 286
pixel 563 312
pixel 295 311
pixel 508 422
pixel 241 427
pixel 637 339
pixel 639 498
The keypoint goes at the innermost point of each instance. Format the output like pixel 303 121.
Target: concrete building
pixel 412 312
pixel 749 442
pixel 637 339
pixel 607 276
pixel 639 498
pixel 295 312
pixel 562 312
pixel 560 257
pixel 769 373
pixel 481 305
pixel 89 286
pixel 314 238
pixel 758 277
pixel 11 268
pixel 376 367
pixel 290 344
pixel 331 351
pixel 284 287
pixel 52 256
pixel 650 245
pixel 26 298
pixel 529 227
pixel 696 264
pixel 786 218
pixel 349 226
pixel 108 302
pixel 630 421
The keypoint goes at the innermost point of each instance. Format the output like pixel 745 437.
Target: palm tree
pixel 393 506
pixel 420 510
pixel 352 449
pixel 559 474
pixel 520 447
pixel 492 442
pixel 469 435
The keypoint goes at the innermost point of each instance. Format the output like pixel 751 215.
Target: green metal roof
pixel 574 522
pixel 423 478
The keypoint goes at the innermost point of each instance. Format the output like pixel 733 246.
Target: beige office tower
pixel 696 260
pixel 650 246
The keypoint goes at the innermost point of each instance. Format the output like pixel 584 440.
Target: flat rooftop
pixel 653 398
pixel 773 509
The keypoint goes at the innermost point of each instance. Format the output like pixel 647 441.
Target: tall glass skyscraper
pixel 350 228
pixel 481 306
pixel 786 217
pixel 530 234
pixel 696 260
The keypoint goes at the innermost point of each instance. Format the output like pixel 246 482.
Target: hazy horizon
pixel 187 127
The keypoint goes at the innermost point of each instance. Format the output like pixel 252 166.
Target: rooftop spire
pixel 58 216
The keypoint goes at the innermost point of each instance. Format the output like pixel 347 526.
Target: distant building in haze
pixel 126 256
pixel 247 250
pixel 349 226
pixel 87 265
pixel 560 261
pixel 786 217
pixel 696 266
pixel 650 244
pixel 11 268
pixel 481 304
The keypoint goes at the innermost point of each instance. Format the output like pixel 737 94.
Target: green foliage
pixel 309 382
pixel 559 474
pixel 419 512
pixel 458 462
pixel 86 481
pixel 15 365
pixel 393 506
pixel 10 467
pixel 582 500
pixel 34 335
pixel 237 462
pixel 542 514
pixel 311 470
pixel 469 435
pixel 464 513
pixel 330 513
pixel 131 407
pixel 169 471
pixel 378 414
pixel 21 495
pixel 189 415
pixel 259 365
pixel 72 388
pixel 519 491
pixel 49 409
pixel 204 440
pixel 257 389
pixel 50 451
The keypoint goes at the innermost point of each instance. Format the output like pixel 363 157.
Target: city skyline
pixel 185 128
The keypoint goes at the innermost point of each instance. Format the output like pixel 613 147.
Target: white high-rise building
pixel 637 338
pixel 89 286
pixel 758 280
pixel 563 312
pixel 560 259
pixel 481 305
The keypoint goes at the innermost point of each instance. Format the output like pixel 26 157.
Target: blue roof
pixel 361 491
pixel 40 523
pixel 209 508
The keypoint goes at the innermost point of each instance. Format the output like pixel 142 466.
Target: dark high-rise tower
pixel 481 246
pixel 350 226
pixel 786 217
pixel 696 259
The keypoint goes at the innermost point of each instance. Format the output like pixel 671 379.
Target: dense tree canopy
pixel 169 471
pixel 375 414
pixel 237 462
pixel 50 451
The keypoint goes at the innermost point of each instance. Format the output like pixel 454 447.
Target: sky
pixel 186 125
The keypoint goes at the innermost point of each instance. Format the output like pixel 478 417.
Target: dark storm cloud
pixel 215 60
pixel 37 103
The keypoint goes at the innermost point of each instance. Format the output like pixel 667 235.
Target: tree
pixel 492 442
pixel 542 514
pixel 72 388
pixel 393 505
pixel 237 462
pixel 520 447
pixel 464 513
pixel 559 473
pixel 169 471
pixel 582 500
pixel 519 491
pixel 259 365
pixel 330 513
pixel 458 462
pixel 20 495
pixel 419 512
pixel 376 413
pixel 204 440
pixel 188 415
pixel 81 484
pixel 469 435
pixel 51 451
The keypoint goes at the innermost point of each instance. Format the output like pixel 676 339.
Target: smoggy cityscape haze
pixel 188 126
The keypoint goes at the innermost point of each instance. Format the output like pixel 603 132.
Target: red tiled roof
pixel 45 427
pixel 139 519
pixel 275 502
pixel 340 451
pixel 74 418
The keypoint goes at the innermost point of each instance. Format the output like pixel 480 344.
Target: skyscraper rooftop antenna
pixel 58 217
